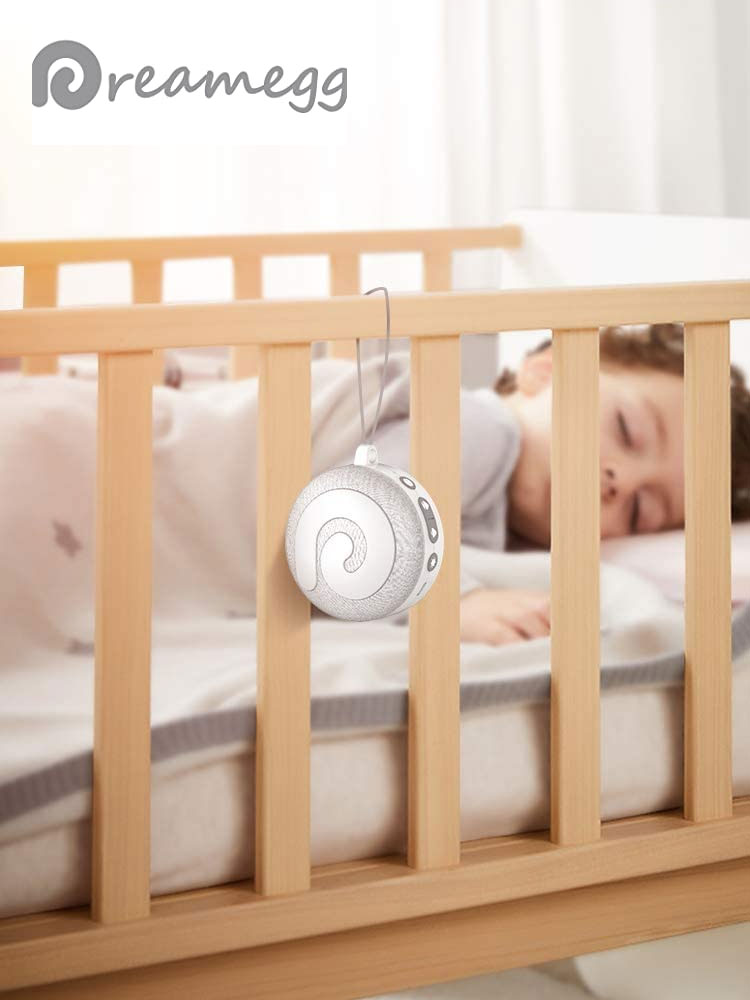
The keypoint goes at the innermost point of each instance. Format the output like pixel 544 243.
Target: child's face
pixel 641 458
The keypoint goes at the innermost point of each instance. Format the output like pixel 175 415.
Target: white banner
pixel 220 72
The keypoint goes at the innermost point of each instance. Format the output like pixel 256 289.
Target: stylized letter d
pixel 60 83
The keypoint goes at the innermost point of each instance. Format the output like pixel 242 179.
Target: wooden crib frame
pixel 448 909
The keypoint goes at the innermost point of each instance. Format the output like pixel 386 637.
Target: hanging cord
pixel 384 290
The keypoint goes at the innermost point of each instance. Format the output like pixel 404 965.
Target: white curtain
pixel 599 105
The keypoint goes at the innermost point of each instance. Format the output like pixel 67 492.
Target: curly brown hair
pixel 661 346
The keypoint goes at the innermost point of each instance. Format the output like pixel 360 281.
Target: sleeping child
pixel 205 483
pixel 505 460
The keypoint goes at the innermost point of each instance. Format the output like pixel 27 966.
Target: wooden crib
pixel 448 909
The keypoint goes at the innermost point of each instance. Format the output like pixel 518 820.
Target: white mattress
pixel 202 787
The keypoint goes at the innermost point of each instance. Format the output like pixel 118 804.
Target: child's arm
pixel 499 617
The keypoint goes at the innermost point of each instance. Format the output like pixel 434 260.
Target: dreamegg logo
pixel 74 89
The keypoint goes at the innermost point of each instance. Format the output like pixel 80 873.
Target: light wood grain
pixel 39 289
pixel 434 660
pixel 708 583
pixel 442 948
pixel 574 707
pixel 344 280
pixel 437 268
pixel 146 280
pixel 147 284
pixel 54 946
pixel 543 926
pixel 32 252
pixel 248 284
pixel 122 795
pixel 425 314
pixel 282 800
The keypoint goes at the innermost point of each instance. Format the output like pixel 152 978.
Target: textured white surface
pixel 376 560
pixel 358 543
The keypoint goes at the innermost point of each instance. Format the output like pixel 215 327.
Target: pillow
pixel 661 559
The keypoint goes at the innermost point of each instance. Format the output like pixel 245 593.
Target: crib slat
pixel 147 287
pixel 121 804
pixel 282 775
pixel 437 268
pixel 39 289
pixel 248 284
pixel 708 589
pixel 147 280
pixel 434 749
pixel 575 498
pixel 344 280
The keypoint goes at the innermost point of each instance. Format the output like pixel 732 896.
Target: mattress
pixel 203 693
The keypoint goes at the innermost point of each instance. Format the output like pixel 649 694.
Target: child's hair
pixel 661 346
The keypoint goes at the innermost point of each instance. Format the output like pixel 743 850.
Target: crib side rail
pixel 41 261
pixel 124 338
pixel 118 329
pixel 20 253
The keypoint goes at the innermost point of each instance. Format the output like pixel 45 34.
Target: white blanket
pixel 205 460
pixel 204 569
pixel 202 813
pixel 204 659
pixel 206 662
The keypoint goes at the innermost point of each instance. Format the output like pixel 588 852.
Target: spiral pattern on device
pixel 355 543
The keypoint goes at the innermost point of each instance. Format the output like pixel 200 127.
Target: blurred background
pixel 479 107
pixel 474 109
pixel 482 106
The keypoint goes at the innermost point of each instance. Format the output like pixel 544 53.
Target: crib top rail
pixel 124 329
pixel 30 253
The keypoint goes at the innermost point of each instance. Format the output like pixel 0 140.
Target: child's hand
pixel 499 617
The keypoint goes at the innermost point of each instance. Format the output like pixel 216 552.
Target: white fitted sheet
pixel 203 682
pixel 202 812
pixel 202 800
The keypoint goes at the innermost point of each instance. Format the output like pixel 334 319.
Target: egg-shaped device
pixel 364 541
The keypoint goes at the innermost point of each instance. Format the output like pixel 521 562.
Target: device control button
pixel 408 483
pixel 429 519
pixel 432 561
